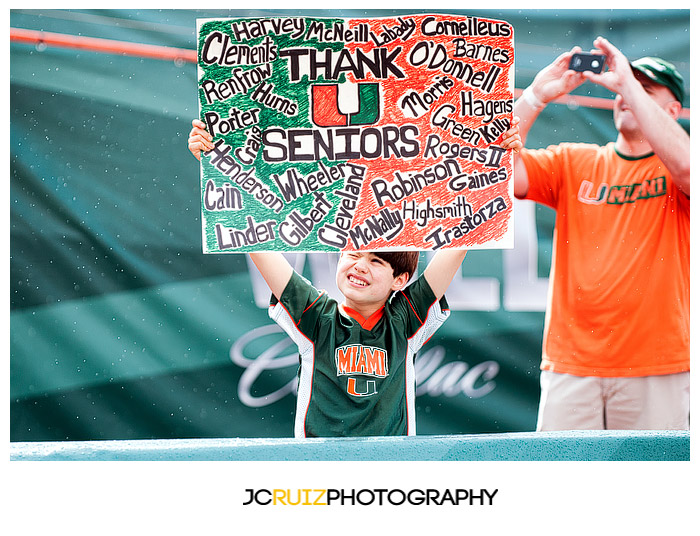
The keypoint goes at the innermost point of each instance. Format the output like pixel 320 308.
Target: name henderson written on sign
pixel 297 226
pixel 245 179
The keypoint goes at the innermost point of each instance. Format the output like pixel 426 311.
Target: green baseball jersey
pixel 355 380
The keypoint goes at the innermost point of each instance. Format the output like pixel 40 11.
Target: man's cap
pixel 662 72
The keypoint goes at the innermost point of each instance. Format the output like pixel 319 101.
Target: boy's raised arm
pixel 442 268
pixel 274 268
pixel 445 263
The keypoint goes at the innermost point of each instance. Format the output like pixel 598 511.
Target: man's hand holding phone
pixel 586 61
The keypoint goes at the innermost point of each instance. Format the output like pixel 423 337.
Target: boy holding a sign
pixel 356 374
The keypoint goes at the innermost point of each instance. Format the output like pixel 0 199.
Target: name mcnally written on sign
pixel 356 134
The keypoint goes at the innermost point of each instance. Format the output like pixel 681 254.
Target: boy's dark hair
pixel 400 261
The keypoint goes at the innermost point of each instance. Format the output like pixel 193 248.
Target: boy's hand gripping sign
pixel 356 134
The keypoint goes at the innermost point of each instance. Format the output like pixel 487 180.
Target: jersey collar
pixel 632 158
pixel 365 323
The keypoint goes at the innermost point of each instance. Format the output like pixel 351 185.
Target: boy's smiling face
pixel 366 281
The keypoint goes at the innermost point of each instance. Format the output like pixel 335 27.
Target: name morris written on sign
pixel 356 134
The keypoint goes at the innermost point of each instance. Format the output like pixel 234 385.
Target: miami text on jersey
pixel 357 359
pixel 625 193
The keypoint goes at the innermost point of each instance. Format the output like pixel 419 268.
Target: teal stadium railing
pixel 522 446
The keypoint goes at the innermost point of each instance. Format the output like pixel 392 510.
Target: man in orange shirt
pixel 616 350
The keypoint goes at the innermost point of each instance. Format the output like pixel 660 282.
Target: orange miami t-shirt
pixel 619 296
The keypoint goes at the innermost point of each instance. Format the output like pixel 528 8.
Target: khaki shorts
pixel 591 403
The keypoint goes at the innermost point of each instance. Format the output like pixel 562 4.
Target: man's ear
pixel 674 108
pixel 400 281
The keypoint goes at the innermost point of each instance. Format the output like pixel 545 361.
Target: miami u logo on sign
pixel 329 106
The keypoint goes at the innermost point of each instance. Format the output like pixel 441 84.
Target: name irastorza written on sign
pixel 356 134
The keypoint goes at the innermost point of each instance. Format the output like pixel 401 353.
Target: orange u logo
pixel 325 106
pixel 370 388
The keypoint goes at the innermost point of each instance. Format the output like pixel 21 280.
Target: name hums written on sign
pixel 364 134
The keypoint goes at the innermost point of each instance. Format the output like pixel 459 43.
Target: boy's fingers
pixel 196 131
pixel 201 138
pixel 198 123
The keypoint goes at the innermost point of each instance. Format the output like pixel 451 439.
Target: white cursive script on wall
pixel 268 348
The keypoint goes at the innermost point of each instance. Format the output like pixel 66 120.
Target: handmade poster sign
pixel 356 134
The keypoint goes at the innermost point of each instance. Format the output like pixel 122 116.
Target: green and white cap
pixel 662 72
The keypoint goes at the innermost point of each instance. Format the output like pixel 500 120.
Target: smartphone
pixel 586 61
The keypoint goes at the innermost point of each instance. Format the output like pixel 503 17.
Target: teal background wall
pixel 120 328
